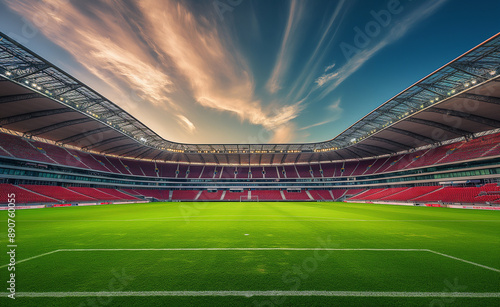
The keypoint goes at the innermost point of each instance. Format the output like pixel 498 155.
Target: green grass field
pixel 255 254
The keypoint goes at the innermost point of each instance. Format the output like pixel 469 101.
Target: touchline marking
pixel 259 249
pixel 261 293
pixel 197 219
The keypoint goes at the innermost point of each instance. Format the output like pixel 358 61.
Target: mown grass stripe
pixel 258 249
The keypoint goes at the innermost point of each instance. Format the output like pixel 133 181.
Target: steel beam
pixel 353 152
pixel 106 141
pixel 488 99
pixel 475 118
pixel 357 147
pixel 68 89
pixel 59 126
pixel 413 135
pixel 79 136
pixel 391 142
pixel 125 154
pixel 37 68
pixel 26 116
pixel 20 97
pixel 119 147
pixel 438 125
pixel 378 148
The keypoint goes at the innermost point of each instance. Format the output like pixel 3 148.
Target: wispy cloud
pixel 335 106
pixel 305 78
pixel 333 111
pixel 329 67
pixel 333 79
pixel 317 124
pixel 160 50
pixel 326 77
pixel 116 55
pixel 284 134
pixel 186 123
pixel 282 62
pixel 217 73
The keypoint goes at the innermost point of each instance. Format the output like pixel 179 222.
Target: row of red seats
pixel 43 193
pixel 158 194
pixel 302 195
pixel 321 194
pixel 58 192
pixel 381 194
pixel 206 195
pixel 43 152
pixel 21 196
pixel 460 195
pixel 30 193
pixel 185 194
pixel 411 193
pixel 235 195
pixel 267 194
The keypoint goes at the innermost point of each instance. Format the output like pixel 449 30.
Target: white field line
pixel 259 249
pixel 310 219
pixel 244 249
pixel 466 261
pixel 262 293
pixel 41 255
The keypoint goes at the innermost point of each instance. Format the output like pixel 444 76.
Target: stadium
pixel 400 208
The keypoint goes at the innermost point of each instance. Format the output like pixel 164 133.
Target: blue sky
pixel 241 71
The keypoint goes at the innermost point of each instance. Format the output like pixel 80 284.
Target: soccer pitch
pixel 255 254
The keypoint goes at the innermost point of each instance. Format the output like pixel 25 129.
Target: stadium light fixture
pixel 466 84
pixel 473 81
pixel 8 73
pixel 493 72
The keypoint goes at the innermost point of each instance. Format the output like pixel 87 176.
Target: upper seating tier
pixel 484 146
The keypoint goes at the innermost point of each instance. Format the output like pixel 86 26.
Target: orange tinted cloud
pixel 156 50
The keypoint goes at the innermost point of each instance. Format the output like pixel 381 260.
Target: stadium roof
pixel 457 100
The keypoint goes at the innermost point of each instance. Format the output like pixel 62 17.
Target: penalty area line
pixel 41 255
pixel 466 261
pixel 259 249
pixel 262 293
